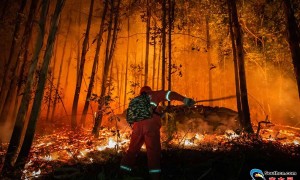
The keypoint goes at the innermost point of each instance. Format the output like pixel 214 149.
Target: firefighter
pixel 148 131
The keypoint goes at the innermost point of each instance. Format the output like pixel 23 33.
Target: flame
pixel 67 146
pixel 36 173
pixel 111 143
pixel 188 142
pixel 230 134
pixel 48 158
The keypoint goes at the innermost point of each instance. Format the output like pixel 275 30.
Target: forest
pixel 69 68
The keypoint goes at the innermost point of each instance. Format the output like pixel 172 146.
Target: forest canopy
pixel 103 52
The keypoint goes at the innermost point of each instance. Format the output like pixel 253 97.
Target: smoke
pixel 273 94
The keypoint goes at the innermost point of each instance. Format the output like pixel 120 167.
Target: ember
pixel 64 146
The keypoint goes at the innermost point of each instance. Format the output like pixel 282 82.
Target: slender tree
pixel 56 97
pixel 15 86
pixel 127 53
pixel 293 39
pixel 154 53
pixel 19 124
pixel 246 121
pixel 170 18
pixel 164 27
pixel 24 52
pixel 236 70
pixel 12 59
pixel 208 47
pixel 68 71
pixel 81 68
pixel 95 64
pixel 148 18
pixel 110 46
pixel 51 88
pixel 30 131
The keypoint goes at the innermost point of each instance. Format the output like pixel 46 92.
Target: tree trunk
pixel 164 24
pixel 19 124
pixel 60 71
pixel 21 160
pixel 108 59
pixel 208 46
pixel 159 63
pixel 95 64
pixel 148 16
pixel 51 88
pixel 127 54
pixel 81 68
pixel 68 71
pixel 170 13
pixel 12 59
pixel 24 52
pixel 26 40
pixel 79 38
pixel 293 39
pixel 154 54
pixel 246 121
pixel 236 70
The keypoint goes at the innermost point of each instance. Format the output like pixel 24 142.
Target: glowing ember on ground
pixel 64 146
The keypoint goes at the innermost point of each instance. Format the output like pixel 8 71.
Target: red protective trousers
pixel 148 131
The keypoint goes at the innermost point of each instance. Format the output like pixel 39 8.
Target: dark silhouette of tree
pixel 238 42
pixel 164 27
pixel 293 39
pixel 148 19
pixel 95 64
pixel 19 124
pixel 35 111
pixel 127 53
pixel 56 97
pixel 81 68
pixel 11 62
pixel 110 46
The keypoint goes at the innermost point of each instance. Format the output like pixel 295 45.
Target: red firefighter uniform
pixel 148 131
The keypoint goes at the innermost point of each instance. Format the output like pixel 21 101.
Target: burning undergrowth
pixel 200 132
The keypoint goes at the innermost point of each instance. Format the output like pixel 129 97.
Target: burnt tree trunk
pixel 127 54
pixel 95 64
pixel 208 47
pixel 159 63
pixel 170 17
pixel 68 72
pixel 19 124
pixel 148 18
pixel 24 52
pixel 14 85
pixel 11 62
pixel 111 41
pixel 293 39
pixel 154 54
pixel 245 119
pixel 51 84
pixel 81 68
pixel 236 70
pixel 60 71
pixel 163 61
pixel 30 131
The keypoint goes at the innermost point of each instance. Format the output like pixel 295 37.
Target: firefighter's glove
pixel 188 102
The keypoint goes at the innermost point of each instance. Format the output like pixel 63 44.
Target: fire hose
pixel 216 99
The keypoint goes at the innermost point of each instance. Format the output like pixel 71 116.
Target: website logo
pixel 257 174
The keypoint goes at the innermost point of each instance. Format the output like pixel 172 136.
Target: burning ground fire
pixel 66 147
